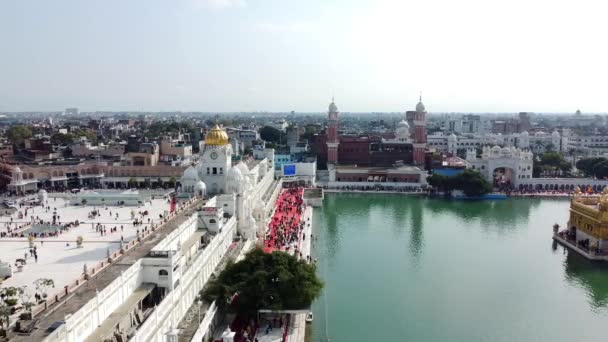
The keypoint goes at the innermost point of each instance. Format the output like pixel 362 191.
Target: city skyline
pixel 272 56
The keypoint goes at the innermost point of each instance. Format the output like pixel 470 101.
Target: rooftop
pixel 86 292
pixel 403 168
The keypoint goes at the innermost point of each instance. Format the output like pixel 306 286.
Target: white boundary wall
pixel 169 312
pixel 172 309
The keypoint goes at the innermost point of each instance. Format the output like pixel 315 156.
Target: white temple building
pixel 508 163
pixel 146 298
pixel 539 142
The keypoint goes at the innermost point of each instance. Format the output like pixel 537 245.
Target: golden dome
pixel 216 136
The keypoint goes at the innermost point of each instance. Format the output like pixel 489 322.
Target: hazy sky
pixel 282 55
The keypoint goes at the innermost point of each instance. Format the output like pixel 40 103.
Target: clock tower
pixel 216 160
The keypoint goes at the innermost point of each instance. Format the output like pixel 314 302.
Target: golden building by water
pixel 587 230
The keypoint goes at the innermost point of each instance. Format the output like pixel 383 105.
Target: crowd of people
pixel 36 227
pixel 249 330
pixel 286 225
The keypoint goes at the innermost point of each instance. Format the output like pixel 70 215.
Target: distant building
pixel 293 135
pixel 522 123
pixel 405 146
pixel 539 142
pixel 84 148
pixel 246 136
pixel 507 164
pixel 71 111
pixel 175 151
pixel 147 155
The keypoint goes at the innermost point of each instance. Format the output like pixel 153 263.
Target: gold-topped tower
pixel 216 137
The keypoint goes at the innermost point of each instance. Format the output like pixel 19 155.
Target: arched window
pixel 163 273
pixel 212 221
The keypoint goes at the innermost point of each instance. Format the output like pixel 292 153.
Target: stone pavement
pixel 59 258
pixel 190 322
pixel 87 291
pixel 298 332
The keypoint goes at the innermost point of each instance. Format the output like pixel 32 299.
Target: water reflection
pixel 507 213
pixel 416 233
pixel 394 209
pixel 395 238
pixel 591 276
pixel 331 216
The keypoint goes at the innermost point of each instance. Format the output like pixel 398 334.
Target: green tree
pixel 43 285
pixel 17 134
pixel 90 135
pixel 309 132
pixel 277 281
pixel 587 165
pixel 471 182
pixel 62 139
pixel 439 182
pixel 132 182
pixel 172 181
pixel 600 169
pixel 551 159
pixel 5 314
pixel 551 163
pixel 270 134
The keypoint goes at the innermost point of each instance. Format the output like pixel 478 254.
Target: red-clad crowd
pixel 285 226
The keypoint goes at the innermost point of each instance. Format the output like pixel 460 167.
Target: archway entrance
pixel 503 178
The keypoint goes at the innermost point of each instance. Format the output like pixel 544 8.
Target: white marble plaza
pixel 59 258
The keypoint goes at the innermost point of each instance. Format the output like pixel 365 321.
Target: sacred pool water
pixel 400 268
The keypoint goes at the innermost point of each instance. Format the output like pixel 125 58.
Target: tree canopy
pixel 68 138
pixel 277 281
pixel 270 134
pixel 470 182
pixel 551 163
pixel 17 134
pixel 309 132
pixel 159 128
pixel 593 167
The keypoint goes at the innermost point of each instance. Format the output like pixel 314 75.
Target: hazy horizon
pixel 235 56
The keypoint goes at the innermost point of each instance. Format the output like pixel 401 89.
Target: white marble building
pixel 510 163
pixel 539 142
pixel 588 145
pixel 175 270
pixel 216 174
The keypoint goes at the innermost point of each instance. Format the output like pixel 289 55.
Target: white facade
pixel 462 124
pixel 181 263
pixel 540 142
pixel 214 164
pixel 517 163
pixel 589 145
pixel 248 181
pixel 192 273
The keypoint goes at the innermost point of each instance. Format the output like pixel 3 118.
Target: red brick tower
pixel 332 134
pixel 417 120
